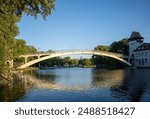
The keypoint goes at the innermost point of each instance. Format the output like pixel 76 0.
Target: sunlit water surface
pixel 78 84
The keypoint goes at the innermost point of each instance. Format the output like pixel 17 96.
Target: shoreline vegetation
pixel 57 67
pixel 93 62
pixel 8 77
pixel 11 48
pixel 11 13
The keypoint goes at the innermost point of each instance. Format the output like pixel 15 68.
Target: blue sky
pixel 84 24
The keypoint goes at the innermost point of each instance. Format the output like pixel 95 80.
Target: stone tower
pixel 135 41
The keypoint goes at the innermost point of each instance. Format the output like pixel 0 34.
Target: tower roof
pixel 136 36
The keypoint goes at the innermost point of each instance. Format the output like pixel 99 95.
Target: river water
pixel 77 85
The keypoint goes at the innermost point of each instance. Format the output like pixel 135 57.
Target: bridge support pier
pixel 12 63
pixel 9 63
pixel 39 62
pixel 25 60
pixel 38 56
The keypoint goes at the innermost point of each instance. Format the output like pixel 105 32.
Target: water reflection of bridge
pixel 123 85
pixel 100 79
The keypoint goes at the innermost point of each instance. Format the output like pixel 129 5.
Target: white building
pixel 139 52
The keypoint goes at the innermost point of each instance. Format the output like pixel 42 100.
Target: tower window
pixel 146 60
pixel 145 54
pixel 142 61
pixel 139 62
pixel 142 54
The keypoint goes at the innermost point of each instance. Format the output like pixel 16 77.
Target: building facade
pixel 142 55
pixel 139 52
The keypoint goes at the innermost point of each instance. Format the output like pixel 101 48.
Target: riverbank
pixel 56 67
pixel 8 74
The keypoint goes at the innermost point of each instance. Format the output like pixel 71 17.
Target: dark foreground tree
pixel 10 13
pixel 8 32
pixel 30 7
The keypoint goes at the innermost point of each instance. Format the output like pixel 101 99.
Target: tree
pixel 22 48
pixel 102 48
pixel 31 49
pixel 107 62
pixel 30 7
pixel 120 47
pixel 8 32
pixel 74 62
pixel 10 13
pixel 101 61
pixel 85 62
pixel 52 62
pixel 67 60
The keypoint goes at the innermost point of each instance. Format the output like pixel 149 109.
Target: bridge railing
pixel 72 50
pixel 87 50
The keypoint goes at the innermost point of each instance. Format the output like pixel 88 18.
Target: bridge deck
pixel 48 55
pixel 73 52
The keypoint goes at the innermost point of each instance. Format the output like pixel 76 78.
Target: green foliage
pixel 66 61
pixel 31 49
pixel 10 13
pixel 57 61
pixel 8 32
pixel 101 61
pixel 120 47
pixel 102 47
pixel 85 62
pixel 74 62
pixel 22 48
pixel 30 7
pixel 106 62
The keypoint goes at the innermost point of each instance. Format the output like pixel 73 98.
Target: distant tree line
pixel 120 46
pixel 67 62
pixel 96 61
pixel 107 62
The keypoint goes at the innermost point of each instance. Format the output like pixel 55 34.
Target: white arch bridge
pixel 48 55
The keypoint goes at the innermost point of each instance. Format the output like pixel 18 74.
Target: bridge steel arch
pixel 63 53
